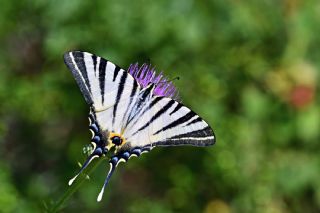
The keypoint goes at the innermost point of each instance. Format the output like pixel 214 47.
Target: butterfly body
pixel 131 116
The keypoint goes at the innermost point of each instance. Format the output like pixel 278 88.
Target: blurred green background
pixel 250 68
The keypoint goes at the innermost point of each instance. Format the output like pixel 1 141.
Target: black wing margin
pixel 76 63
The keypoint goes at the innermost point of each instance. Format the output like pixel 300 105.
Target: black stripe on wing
pixel 75 62
pixel 157 115
pixel 94 59
pixel 138 106
pixel 177 122
pixel 202 137
pixel 135 88
pixel 153 102
pixel 198 119
pixel 205 132
pixel 176 108
pixel 190 142
pixel 116 71
pixel 119 93
pixel 102 76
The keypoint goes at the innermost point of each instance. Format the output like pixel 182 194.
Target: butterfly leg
pixel 123 156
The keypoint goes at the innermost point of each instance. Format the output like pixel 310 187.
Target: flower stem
pixel 57 206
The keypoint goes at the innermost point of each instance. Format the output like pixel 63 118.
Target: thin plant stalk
pixel 57 206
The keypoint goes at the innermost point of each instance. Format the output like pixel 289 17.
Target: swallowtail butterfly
pixel 131 112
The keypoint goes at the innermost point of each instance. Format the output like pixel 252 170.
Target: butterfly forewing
pixel 169 123
pixel 102 83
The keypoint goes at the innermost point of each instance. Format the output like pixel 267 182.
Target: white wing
pixel 169 123
pixel 103 84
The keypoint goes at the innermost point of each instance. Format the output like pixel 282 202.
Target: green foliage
pixel 250 68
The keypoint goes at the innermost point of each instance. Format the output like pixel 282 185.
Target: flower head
pixel 146 74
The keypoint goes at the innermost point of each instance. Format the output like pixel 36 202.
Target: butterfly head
pixel 115 140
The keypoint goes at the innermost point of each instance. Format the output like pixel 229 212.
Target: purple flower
pixel 146 75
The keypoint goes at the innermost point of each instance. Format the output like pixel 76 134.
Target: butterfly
pixel 131 112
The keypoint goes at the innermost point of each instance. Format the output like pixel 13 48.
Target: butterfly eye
pixel 116 140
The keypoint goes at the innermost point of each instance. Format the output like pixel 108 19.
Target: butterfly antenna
pixel 112 168
pixel 86 163
pixel 166 81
